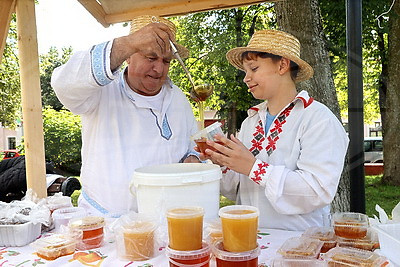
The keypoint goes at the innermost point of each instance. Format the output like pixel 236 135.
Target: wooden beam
pixel 31 97
pixel 6 9
pixel 178 8
pixel 96 10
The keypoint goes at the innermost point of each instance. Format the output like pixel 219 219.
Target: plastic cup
pixel 138 241
pixel 92 229
pixel 185 228
pixel 192 258
pixel 207 133
pixel 239 227
pixel 235 259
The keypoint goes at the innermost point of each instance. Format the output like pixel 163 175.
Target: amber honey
pixel 139 241
pixel 239 228
pixel 185 228
pixel 235 259
pixel 350 229
pixel 92 229
pixel 202 145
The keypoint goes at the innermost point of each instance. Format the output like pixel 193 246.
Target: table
pixel 269 241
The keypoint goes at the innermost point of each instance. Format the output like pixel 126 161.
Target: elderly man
pixel 130 118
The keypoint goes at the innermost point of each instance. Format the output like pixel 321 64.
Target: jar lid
pixel 185 212
pixel 87 223
pixel 238 212
pixel 188 254
pixel 222 254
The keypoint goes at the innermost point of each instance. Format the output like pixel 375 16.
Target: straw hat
pixel 139 22
pixel 274 42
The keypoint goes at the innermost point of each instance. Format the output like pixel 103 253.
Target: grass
pixel 385 196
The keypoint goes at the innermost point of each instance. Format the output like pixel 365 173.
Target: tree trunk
pixel 391 146
pixel 302 18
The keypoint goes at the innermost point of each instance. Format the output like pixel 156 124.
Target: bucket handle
pixel 133 192
pixel 192 180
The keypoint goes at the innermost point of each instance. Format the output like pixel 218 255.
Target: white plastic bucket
pixel 161 187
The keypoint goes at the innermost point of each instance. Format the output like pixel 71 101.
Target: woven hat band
pixel 139 22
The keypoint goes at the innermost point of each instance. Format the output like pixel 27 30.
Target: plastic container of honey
pixel 235 259
pixel 370 242
pixel 192 258
pixel 185 228
pixel 90 229
pixel 353 257
pixel 207 133
pixel 298 262
pixel 136 240
pixel 325 234
pixel 239 227
pixel 301 247
pixel 54 246
pixel 351 225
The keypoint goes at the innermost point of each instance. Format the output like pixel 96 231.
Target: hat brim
pixel 234 56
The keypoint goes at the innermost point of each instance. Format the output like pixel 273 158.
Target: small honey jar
pixel 92 229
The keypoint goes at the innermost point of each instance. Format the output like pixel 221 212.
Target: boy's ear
pixel 284 65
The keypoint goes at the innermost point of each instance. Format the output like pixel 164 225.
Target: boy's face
pixel 262 77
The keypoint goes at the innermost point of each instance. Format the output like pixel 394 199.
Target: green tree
pixel 10 92
pixel 62 139
pixel 374 53
pixel 48 62
pixel 209 35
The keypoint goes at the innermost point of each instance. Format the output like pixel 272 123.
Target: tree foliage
pixel 209 35
pixel 10 92
pixel 48 62
pixel 374 51
pixel 62 139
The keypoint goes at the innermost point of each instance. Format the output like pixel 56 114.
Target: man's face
pixel 148 72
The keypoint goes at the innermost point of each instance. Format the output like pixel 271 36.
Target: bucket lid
pixel 222 254
pixel 176 174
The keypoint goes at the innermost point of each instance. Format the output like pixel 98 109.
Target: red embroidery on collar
pixel 277 129
pixel 306 103
pixel 254 108
pixel 262 169
pixel 258 139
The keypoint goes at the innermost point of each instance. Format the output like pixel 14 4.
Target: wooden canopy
pixel 111 11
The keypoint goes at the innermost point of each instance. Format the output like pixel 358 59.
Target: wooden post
pixel 31 97
pixel 6 9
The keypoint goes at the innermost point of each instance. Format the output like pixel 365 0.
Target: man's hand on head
pixel 152 38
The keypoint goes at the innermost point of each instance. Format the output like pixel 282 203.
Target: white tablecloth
pixel 269 241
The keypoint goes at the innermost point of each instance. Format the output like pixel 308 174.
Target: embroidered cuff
pixel 258 173
pixel 100 63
